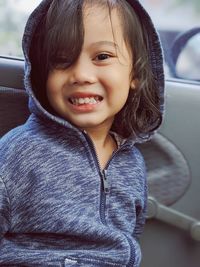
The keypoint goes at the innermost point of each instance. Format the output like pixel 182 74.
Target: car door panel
pixel 164 244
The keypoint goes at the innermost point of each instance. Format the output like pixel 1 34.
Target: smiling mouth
pixel 92 100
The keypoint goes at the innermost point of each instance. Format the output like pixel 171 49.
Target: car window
pixel 13 15
pixel 177 21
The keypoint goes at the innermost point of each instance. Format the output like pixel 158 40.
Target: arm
pixel 4 210
pixel 141 210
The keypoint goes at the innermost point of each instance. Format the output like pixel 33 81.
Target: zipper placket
pixel 105 187
pixel 132 254
pixel 105 190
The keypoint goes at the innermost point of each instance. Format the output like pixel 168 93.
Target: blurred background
pixel 171 17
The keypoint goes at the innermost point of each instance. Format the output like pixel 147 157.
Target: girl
pixel 73 185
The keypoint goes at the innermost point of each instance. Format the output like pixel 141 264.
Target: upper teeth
pixel 86 100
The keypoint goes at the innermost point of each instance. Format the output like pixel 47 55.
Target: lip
pixel 85 107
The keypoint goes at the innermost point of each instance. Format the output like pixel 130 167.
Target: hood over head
pixel 156 65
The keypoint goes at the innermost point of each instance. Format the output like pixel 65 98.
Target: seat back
pixel 13 108
pixel 13 98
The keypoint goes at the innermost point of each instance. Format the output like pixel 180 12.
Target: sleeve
pixel 4 210
pixel 141 206
pixel 141 209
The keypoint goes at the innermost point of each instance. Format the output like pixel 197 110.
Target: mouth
pixel 89 100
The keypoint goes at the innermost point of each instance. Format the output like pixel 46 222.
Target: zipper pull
pixel 106 187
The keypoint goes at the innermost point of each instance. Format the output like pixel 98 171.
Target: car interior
pixel 172 233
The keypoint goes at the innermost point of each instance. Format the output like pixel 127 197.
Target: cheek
pixel 117 86
pixel 116 76
pixel 53 84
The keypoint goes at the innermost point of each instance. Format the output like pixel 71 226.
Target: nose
pixel 82 72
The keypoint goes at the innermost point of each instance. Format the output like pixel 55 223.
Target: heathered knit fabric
pixel 57 207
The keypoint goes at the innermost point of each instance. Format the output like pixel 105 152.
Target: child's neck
pixel 104 144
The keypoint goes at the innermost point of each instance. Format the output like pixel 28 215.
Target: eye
pixel 102 56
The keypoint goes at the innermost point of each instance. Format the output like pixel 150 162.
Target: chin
pixel 86 125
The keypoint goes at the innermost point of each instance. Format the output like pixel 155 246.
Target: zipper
pixel 105 187
pixel 131 262
pixel 103 196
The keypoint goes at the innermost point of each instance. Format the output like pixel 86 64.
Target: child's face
pixel 95 88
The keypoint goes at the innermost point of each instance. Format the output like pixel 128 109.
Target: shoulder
pixel 137 157
pixel 11 146
pixel 21 151
pixel 25 134
pixel 15 137
pixel 130 161
pixel 12 139
pixel 18 143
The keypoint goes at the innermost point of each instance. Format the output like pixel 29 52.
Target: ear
pixel 134 84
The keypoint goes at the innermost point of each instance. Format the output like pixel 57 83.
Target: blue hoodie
pixel 57 207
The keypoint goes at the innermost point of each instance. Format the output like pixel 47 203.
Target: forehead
pixel 101 22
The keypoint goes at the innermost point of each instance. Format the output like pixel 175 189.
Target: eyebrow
pixel 109 43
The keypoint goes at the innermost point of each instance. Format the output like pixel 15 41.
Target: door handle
pixel 173 217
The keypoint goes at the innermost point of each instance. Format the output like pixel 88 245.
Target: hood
pixel 155 54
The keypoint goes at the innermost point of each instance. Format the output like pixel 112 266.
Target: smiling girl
pixel 73 183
